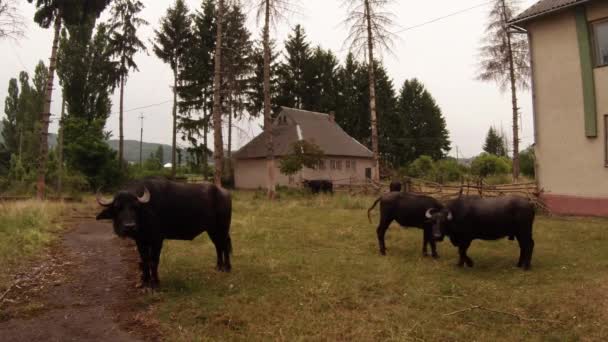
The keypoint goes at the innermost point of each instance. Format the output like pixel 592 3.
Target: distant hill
pixel 131 148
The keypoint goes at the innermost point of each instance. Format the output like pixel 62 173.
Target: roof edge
pixel 519 21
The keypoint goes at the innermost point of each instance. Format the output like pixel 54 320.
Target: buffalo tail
pixel 372 208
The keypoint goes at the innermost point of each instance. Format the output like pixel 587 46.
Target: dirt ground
pixel 83 291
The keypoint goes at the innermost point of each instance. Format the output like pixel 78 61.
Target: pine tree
pixel 255 92
pixel 495 143
pixel 196 90
pixel 171 42
pixel 294 72
pixel 505 60
pixel 10 131
pixel 424 130
pixel 323 88
pixel 237 65
pixel 124 44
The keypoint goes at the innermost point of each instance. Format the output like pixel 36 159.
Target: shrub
pixel 448 170
pixel 526 162
pixel 488 164
pixel 423 168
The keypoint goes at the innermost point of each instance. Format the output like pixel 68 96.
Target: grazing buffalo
pixel 318 186
pixel 155 210
pixel 469 218
pixel 409 211
pixel 395 186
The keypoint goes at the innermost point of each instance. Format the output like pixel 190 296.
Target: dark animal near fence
pixel 318 186
pixel 155 210
pixel 395 186
pixel 409 211
pixel 469 218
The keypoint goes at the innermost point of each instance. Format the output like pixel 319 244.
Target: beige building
pixel 346 160
pixel 569 53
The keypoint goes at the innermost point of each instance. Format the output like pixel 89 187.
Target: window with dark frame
pixel 600 42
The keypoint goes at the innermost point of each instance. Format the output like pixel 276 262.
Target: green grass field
pixel 25 229
pixel 309 269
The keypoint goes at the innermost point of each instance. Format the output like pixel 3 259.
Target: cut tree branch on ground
pixel 521 318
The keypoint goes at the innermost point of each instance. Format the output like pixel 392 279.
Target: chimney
pixel 332 116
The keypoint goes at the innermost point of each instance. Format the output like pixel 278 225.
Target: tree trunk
pixel 230 114
pixel 205 145
pixel 218 153
pixel 121 142
pixel 513 97
pixel 372 94
pixel 174 147
pixel 267 118
pixel 60 150
pixel 46 112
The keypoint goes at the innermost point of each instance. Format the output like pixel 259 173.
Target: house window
pixel 339 164
pixel 322 165
pixel 332 164
pixel 600 42
pixel 348 164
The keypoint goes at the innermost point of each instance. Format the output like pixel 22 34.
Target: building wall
pixel 570 165
pixel 251 173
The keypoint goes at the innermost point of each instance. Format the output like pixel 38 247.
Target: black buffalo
pixel 408 210
pixel 395 186
pixel 318 186
pixel 155 210
pixel 469 218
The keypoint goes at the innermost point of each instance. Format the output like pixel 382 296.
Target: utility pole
pixel 141 140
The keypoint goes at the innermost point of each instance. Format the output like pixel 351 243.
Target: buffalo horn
pixel 102 201
pixel 429 213
pixel 450 216
pixel 145 198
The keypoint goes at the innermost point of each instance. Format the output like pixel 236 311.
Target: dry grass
pixel 25 229
pixel 308 269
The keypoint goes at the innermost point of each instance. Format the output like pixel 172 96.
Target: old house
pixel 346 160
pixel 569 55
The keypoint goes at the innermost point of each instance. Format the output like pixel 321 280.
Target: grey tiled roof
pixel 544 7
pixel 314 127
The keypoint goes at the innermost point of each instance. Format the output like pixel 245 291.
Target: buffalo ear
pixel 106 214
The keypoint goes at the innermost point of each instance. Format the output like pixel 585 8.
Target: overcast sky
pixel 443 55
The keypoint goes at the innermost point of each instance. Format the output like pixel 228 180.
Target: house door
pixel 368 173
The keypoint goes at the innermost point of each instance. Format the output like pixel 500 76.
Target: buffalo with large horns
pixel 155 210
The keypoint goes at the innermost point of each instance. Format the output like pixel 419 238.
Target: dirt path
pixel 90 294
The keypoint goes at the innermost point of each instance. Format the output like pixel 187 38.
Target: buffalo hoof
pixel 435 256
pixel 425 254
pixel 469 262
pixel 527 268
pixel 142 285
pixel 382 252
pixel 519 265
pixel 460 264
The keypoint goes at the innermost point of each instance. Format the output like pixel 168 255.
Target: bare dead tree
pixel 270 11
pixel 370 33
pixel 505 60
pixel 12 24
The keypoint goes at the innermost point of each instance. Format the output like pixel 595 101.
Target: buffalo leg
pixel 381 231
pixel 428 240
pixel 464 258
pixel 155 250
pixel 144 254
pixel 227 251
pixel 530 249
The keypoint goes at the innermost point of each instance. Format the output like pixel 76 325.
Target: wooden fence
pixel 445 192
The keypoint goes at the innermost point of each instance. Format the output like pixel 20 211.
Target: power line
pixel 443 17
pixel 145 107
